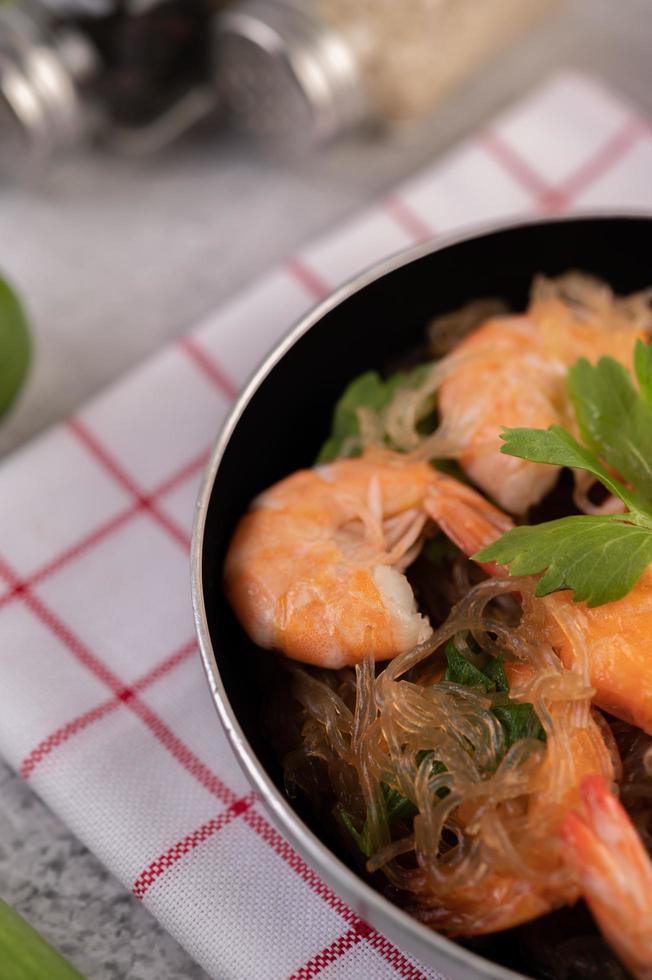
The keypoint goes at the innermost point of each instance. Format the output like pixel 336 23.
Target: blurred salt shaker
pixel 46 71
pixel 296 72
pixel 132 74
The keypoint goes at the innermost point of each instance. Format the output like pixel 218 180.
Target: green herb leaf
pixel 615 420
pixel 368 390
pixel 397 807
pixel 600 558
pixel 559 448
pixel 360 837
pixel 643 369
pixel 518 720
pixel 462 671
pixel 14 346
pixel 495 671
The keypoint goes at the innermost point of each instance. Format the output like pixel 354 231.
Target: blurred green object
pixel 15 346
pixel 24 955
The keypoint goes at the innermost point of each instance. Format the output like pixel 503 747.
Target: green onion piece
pixel 24 955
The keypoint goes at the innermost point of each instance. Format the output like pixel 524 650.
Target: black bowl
pixel 280 422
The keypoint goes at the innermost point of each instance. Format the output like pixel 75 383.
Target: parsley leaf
pixel 495 671
pixel 560 448
pixel 600 558
pixel 517 718
pixel 615 421
pixel 643 370
pixel 368 390
pixel 462 671
pixel 397 807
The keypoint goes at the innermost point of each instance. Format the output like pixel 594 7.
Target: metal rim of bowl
pixel 397 924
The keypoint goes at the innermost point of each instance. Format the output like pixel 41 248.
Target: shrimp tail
pixel 464 515
pixel 614 872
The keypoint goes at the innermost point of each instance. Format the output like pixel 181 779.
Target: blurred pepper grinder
pixel 134 73
pixel 296 72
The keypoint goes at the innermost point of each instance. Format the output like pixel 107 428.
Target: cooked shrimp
pixel 511 371
pixel 613 639
pixel 615 874
pixel 539 877
pixel 315 568
pixel 617 637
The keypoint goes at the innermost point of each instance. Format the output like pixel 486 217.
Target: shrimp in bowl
pixel 510 370
pixel 452 725
pixel 315 568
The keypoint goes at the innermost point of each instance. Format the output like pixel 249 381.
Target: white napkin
pixel 103 705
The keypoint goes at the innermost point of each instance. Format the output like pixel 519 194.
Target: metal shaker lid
pixel 41 108
pixel 284 75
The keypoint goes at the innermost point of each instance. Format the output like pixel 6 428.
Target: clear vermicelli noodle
pixel 482 823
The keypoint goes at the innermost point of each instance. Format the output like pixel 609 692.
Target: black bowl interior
pixel 288 416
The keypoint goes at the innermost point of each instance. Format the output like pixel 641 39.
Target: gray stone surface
pixel 113 259
pixel 73 901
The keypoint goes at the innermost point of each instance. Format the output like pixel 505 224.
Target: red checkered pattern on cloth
pixel 103 707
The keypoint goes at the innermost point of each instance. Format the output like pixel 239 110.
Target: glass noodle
pixel 486 814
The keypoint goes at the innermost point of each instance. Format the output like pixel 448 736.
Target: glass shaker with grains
pixel 305 70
